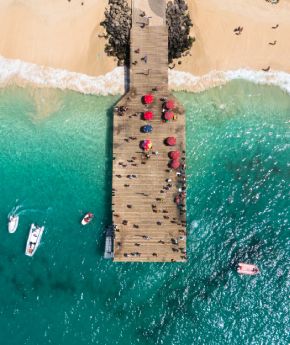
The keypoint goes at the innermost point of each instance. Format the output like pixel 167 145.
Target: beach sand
pixel 63 34
pixel 218 48
pixel 56 33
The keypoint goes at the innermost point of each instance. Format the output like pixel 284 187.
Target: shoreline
pixel 66 35
pixel 20 73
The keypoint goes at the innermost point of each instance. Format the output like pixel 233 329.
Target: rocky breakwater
pixel 179 25
pixel 118 23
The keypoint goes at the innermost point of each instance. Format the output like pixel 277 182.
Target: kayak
pixel 87 218
pixel 247 269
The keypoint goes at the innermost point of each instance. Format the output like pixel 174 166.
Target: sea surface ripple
pixel 55 165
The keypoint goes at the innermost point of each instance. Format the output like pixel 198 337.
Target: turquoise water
pixel 55 165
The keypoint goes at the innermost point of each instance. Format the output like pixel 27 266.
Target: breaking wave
pixel 22 73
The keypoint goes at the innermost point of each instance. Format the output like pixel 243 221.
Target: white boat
pixel 87 218
pixel 248 269
pixel 13 223
pixel 33 240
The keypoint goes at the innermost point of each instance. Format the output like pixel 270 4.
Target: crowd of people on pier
pixel 170 183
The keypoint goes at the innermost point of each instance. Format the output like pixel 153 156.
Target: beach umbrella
pixel 148 99
pixel 174 155
pixel 170 104
pixel 169 115
pixel 148 115
pixel 147 129
pixel 147 145
pixel 171 141
pixel 175 164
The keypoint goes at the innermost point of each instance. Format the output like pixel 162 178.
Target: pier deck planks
pixel 142 203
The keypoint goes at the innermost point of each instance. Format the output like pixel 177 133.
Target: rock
pixel 118 21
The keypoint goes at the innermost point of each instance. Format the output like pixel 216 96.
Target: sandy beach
pixel 63 35
pixel 57 33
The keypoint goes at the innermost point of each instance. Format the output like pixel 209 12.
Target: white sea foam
pixel 188 82
pixel 22 73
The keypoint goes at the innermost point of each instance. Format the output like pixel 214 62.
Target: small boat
pixel 248 269
pixel 33 240
pixel 109 251
pixel 13 223
pixel 87 218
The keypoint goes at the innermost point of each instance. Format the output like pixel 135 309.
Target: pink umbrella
pixel 148 115
pixel 169 115
pixel 148 99
pixel 170 104
pixel 171 141
pixel 147 145
pixel 174 155
pixel 175 164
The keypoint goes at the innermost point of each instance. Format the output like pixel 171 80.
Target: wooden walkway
pixel 150 226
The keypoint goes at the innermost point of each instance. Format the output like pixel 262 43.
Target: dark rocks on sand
pixel 179 24
pixel 118 23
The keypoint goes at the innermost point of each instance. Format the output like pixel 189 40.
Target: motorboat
pixel 87 218
pixel 33 240
pixel 248 269
pixel 13 221
pixel 109 250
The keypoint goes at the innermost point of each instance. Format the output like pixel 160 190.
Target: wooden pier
pixel 150 227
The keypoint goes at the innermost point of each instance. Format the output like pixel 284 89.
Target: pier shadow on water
pixel 108 177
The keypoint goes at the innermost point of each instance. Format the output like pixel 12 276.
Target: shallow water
pixel 55 164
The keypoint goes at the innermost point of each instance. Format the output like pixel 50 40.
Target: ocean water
pixel 55 165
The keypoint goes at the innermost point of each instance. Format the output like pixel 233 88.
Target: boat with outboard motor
pixel 34 237
pixel 13 221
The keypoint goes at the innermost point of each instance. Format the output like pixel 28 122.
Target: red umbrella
pixel 171 141
pixel 148 99
pixel 148 115
pixel 170 104
pixel 174 155
pixel 169 115
pixel 175 164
